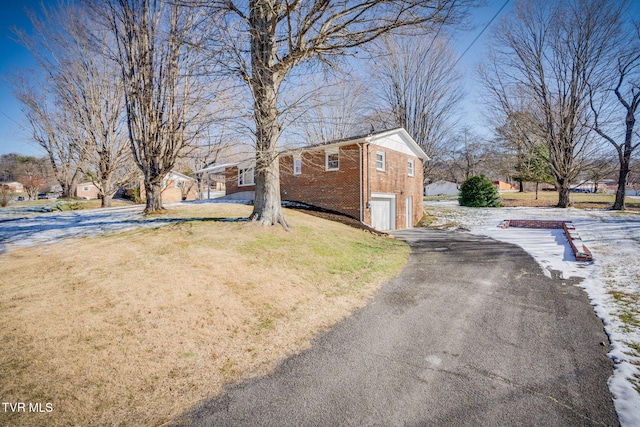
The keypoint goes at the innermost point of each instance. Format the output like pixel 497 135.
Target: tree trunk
pixel 104 197
pixel 153 192
pixel 265 80
pixel 563 195
pixel 66 190
pixel 619 203
pixel 537 187
pixel 521 186
pixel 625 160
pixel 106 201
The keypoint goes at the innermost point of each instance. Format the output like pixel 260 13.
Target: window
pixel 85 188
pixel 332 160
pixel 297 165
pixel 380 160
pixel 410 167
pixel 245 177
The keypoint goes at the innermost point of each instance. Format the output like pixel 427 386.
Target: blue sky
pixel 14 57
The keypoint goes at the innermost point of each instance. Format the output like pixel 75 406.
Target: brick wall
pixel 395 179
pixel 91 191
pixel 534 223
pixel 231 182
pixel 335 190
pixel 339 190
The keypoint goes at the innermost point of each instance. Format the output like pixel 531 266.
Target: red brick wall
pixel 395 179
pixel 91 192
pixel 231 182
pixel 334 190
pixel 340 190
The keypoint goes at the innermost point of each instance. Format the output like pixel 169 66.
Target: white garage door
pixel 383 211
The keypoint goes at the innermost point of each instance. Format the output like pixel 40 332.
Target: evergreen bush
pixel 479 192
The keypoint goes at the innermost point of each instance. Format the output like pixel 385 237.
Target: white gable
pixel 398 140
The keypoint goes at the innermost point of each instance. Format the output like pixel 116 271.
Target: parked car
pixel 42 196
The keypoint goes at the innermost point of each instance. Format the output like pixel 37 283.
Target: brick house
pixel 375 178
pixel 175 187
pixel 87 191
pixel 14 186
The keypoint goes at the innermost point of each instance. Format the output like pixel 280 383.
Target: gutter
pixel 361 189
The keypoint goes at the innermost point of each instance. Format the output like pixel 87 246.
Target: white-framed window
pixel 85 188
pixel 297 165
pixel 332 160
pixel 246 177
pixel 380 160
pixel 411 167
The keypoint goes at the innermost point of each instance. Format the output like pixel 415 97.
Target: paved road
pixel 471 333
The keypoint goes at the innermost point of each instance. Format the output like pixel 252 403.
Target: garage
pixel 383 211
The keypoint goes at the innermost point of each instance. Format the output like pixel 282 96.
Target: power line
pixel 481 32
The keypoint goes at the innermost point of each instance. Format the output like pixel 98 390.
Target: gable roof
pixel 177 175
pixel 397 139
pixel 393 139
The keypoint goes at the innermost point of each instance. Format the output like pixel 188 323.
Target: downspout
pixel 368 204
pixel 361 189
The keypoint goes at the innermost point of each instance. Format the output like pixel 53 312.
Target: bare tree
pixel 627 94
pixel 52 129
pixel 338 110
pixel 468 154
pixel 156 49
pixel 282 35
pixel 86 84
pixel 420 88
pixel 548 54
pixel 32 175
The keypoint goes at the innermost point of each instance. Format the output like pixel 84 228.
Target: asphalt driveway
pixel 471 333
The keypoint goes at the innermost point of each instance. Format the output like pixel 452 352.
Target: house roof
pixel 379 138
pixel 390 138
pixel 180 176
pixel 221 168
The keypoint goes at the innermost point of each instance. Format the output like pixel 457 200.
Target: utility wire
pixel 481 32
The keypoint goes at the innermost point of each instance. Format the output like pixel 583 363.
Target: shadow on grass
pixel 35 230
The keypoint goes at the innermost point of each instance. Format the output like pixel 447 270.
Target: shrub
pixel 479 192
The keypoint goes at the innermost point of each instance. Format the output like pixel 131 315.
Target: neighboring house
pixel 175 187
pixel 440 188
pixel 87 191
pixel 14 186
pixel 504 186
pixel 376 178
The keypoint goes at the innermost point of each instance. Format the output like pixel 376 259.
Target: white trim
pixel 297 165
pixel 384 160
pixel 392 208
pixel 409 211
pixel 242 173
pixel 328 153
pixel 398 140
pixel 361 187
pixel 412 171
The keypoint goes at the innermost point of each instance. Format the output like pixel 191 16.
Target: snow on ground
pixel 612 281
pixel 35 224
pixel 28 226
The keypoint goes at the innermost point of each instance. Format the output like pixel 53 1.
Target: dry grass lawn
pixel 135 328
pixel 550 199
